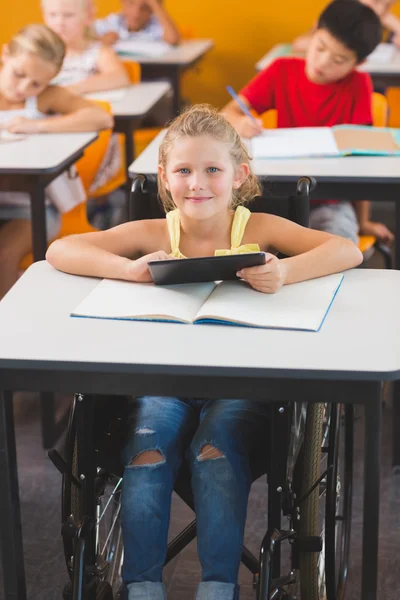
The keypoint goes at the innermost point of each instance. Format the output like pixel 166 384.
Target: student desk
pixel 351 177
pixel 130 106
pixel 29 165
pixel 43 348
pixel 172 64
pixel 383 74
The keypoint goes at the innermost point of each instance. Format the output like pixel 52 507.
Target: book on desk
pixel 329 142
pixel 301 306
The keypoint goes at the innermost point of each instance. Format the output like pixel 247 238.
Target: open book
pixel 151 49
pixel 313 142
pixel 297 306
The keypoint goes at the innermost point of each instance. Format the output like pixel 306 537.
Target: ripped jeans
pixel 216 437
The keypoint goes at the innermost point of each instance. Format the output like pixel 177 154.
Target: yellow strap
pixel 240 220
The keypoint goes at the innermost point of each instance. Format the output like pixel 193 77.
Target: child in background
pixel 389 22
pixel 205 179
pixel 144 20
pixel 29 62
pixel 323 90
pixel 89 66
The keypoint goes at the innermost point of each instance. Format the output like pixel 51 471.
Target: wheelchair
pixel 308 471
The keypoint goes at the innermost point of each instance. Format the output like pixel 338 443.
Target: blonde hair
pixel 40 41
pixel 204 119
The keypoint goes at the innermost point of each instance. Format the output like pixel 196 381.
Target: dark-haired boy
pixel 322 90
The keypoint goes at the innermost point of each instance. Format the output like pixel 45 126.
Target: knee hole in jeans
pixel 147 458
pixel 208 452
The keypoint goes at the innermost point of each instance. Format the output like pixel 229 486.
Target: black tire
pixel 106 485
pixel 339 501
pixel 309 508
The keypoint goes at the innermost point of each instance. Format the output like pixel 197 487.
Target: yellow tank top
pixel 240 220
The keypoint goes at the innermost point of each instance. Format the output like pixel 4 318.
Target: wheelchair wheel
pixel 108 535
pixel 325 512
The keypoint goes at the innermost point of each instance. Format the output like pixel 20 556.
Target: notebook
pixel 302 306
pixel 382 54
pixel 316 142
pixel 151 49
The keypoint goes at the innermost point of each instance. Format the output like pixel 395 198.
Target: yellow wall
pixel 242 32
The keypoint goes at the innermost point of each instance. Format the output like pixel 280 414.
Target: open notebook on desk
pixel 313 142
pixel 151 49
pixel 302 306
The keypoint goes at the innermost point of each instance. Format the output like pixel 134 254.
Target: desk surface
pixel 183 55
pixel 351 169
pixel 359 339
pixel 42 153
pixel 391 67
pixel 135 100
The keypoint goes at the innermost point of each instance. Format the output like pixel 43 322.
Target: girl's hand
pixel 248 128
pixel 267 278
pixel 24 125
pixel 138 270
pixel 110 38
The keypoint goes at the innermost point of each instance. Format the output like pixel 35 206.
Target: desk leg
pixel 10 517
pixel 396 427
pixel 372 444
pixel 39 234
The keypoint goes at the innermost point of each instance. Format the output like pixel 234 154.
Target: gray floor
pixel 40 500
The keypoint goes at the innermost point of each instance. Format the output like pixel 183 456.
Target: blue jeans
pixel 179 429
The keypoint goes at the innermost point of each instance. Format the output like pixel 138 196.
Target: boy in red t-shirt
pixel 324 89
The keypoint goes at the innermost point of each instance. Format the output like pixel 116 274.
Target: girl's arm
pixel 72 114
pixel 312 254
pixel 391 22
pixel 111 75
pixel 171 33
pixel 107 253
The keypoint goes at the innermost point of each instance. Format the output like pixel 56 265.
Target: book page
pixel 108 95
pixel 297 306
pixel 382 54
pixel 299 142
pixel 125 300
pixel 142 48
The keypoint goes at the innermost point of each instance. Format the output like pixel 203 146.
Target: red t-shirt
pixel 283 85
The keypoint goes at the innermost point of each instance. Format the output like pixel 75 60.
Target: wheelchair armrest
pixel 306 185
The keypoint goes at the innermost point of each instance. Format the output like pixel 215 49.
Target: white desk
pixel 43 348
pixel 29 165
pixel 130 106
pixel 171 64
pixel 382 73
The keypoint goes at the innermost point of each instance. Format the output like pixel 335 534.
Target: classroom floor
pixel 40 503
pixel 40 487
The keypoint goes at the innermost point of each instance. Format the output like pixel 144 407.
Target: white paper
pixel 108 95
pixel 7 136
pixel 299 142
pixel 297 306
pixel 125 300
pixel 383 53
pixel 141 48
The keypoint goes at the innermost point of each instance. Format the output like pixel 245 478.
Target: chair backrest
pixel 380 110
pixel 393 99
pixel 133 69
pixel 90 162
pixel 144 202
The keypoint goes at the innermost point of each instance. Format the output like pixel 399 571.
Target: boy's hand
pixel 24 125
pixel 110 38
pixel 138 270
pixel 378 230
pixel 267 278
pixel 248 128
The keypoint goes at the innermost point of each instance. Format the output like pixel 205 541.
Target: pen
pixel 239 102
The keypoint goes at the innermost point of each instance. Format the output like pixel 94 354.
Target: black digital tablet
pixel 209 268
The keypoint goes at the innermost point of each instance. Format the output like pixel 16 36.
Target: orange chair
pixel 141 137
pixel 393 99
pixel 380 115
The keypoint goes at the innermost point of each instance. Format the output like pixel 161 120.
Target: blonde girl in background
pixel 89 66
pixel 29 62
pixel 205 179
